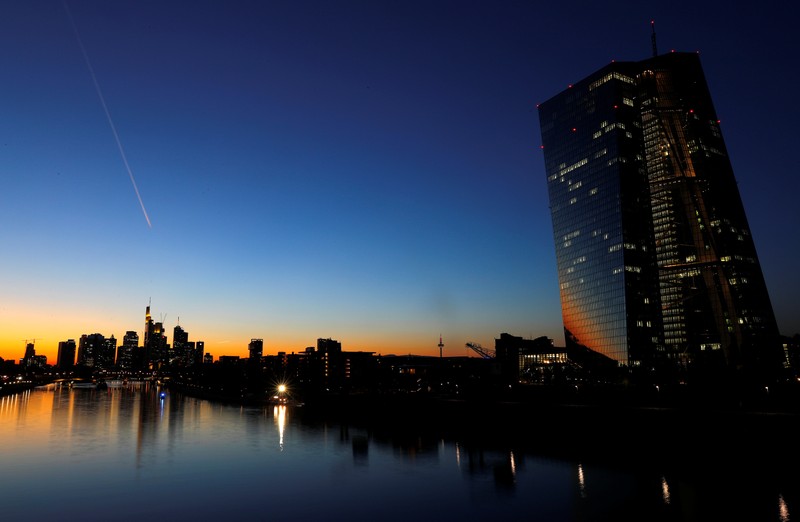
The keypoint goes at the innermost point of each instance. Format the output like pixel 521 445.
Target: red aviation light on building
pixel 541 147
pixel 569 86
pixel 574 129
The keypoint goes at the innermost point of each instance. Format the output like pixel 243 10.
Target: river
pixel 136 452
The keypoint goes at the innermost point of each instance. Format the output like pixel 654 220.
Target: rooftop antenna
pixel 653 37
pixel 441 345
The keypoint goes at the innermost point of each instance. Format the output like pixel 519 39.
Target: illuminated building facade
pixel 532 361
pixel 656 263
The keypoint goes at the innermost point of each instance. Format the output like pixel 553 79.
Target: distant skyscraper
pixel 90 350
pixel 656 262
pixel 199 352
pixel 148 329
pixel 126 355
pixel 106 355
pixel 180 344
pixel 66 355
pixel 30 353
pixel 155 342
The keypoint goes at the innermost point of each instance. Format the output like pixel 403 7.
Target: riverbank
pixel 12 387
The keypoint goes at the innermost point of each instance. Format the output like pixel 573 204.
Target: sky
pixel 361 170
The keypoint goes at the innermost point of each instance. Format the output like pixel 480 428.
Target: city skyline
pixel 366 172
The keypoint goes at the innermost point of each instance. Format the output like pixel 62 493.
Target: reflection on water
pixel 137 451
pixel 279 414
pixel 581 481
pixel 783 509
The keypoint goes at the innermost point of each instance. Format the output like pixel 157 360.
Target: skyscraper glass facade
pixel 656 263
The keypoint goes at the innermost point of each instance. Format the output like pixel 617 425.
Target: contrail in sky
pixel 108 114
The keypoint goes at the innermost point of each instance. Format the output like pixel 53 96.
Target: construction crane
pixel 480 350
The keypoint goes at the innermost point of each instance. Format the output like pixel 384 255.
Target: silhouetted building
pixel 28 358
pixel 656 263
pixel 8 367
pixel 359 371
pixel 229 360
pixel 190 353
pixel 126 355
pixel 330 364
pixel 87 347
pixel 531 361
pixel 180 342
pixel 95 351
pixel 199 353
pixel 105 356
pixel 256 349
pixel 66 355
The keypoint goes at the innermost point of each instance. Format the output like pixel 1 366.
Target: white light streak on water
pixel 279 412
pixel 783 509
pixel 581 481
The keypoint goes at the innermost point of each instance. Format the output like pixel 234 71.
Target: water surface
pixel 129 453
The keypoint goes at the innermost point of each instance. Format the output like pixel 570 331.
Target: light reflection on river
pixel 128 453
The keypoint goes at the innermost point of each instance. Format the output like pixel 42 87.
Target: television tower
pixel 441 345
pixel 653 37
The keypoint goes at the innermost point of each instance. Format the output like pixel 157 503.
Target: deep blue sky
pixel 368 171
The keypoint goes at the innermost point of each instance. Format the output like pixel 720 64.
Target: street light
pixel 280 398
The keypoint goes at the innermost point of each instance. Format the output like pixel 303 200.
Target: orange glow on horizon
pixel 16 328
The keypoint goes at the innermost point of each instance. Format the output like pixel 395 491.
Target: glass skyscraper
pixel 657 267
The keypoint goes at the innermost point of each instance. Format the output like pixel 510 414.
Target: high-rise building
pixel 30 353
pixel 105 357
pixel 199 353
pixel 66 355
pixel 656 262
pixel 256 349
pixel 126 355
pixel 155 342
pixel 329 363
pixel 90 349
pixel 180 345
